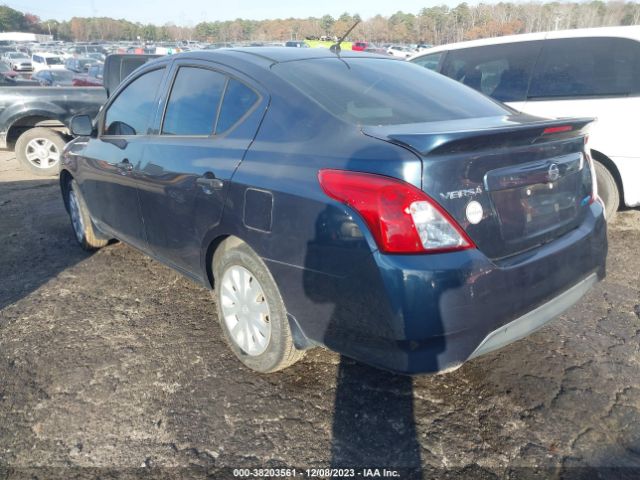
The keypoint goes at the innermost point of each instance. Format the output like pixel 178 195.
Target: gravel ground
pixel 112 365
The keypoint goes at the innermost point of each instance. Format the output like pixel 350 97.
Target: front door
pixel 209 121
pixel 107 174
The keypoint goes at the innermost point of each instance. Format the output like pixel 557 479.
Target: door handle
pixel 209 180
pixel 124 165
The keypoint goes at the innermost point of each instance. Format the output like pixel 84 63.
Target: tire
pixel 39 150
pixel 256 329
pixel 84 231
pixel 607 190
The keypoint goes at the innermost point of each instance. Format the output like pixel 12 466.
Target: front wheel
pixel 39 150
pixel 86 234
pixel 251 310
pixel 607 190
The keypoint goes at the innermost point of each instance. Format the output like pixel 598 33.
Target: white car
pixel 18 61
pixel 400 51
pixel 46 61
pixel 593 72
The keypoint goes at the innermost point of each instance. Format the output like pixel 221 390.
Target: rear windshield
pixel 370 91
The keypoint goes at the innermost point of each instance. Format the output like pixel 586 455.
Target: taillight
pixel 559 129
pixel 401 218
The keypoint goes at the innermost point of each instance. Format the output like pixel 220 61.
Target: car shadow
pixel 373 423
pixel 36 236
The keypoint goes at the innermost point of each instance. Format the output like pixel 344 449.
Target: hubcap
pixel 245 310
pixel 42 153
pixel 76 218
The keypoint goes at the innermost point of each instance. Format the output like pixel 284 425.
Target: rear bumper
pixel 532 321
pixel 429 313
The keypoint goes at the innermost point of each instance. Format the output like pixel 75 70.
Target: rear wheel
pixel 39 150
pixel 251 310
pixel 86 234
pixel 607 190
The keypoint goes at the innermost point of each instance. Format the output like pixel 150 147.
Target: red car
pixel 93 78
pixel 359 46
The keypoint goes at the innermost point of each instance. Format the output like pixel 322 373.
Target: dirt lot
pixel 112 364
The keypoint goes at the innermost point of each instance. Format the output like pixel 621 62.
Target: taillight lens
pixel 401 218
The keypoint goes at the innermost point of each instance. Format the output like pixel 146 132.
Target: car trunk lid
pixel 512 183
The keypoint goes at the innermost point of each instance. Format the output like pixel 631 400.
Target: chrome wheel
pixel 76 218
pixel 42 153
pixel 245 310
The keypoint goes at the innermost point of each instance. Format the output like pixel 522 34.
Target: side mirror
pixel 81 126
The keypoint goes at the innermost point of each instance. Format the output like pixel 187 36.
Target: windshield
pixel 371 91
pixel 54 61
pixel 17 55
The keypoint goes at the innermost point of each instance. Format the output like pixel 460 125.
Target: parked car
pixel 296 44
pixel 34 121
pixel 14 80
pixel 54 78
pixel 334 200
pixel 377 50
pixel 359 46
pixel 18 61
pixel 6 71
pixel 46 61
pixel 96 56
pixel 93 77
pixel 79 65
pixel 400 51
pixel 593 72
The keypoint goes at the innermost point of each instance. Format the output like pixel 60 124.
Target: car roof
pixel 632 32
pixel 267 56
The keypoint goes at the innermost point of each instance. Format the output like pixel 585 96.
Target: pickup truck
pixel 34 120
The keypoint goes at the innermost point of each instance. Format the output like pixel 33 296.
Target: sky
pixel 192 12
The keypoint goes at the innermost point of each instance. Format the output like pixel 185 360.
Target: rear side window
pixel 238 100
pixel 429 61
pixel 132 109
pixel 193 102
pixel 577 67
pixel 372 91
pixel 500 71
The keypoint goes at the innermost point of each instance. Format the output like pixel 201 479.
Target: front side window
pixel 500 71
pixel 193 102
pixel 131 111
pixel 577 67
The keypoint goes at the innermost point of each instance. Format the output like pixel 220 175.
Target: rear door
pixel 210 118
pixel 107 174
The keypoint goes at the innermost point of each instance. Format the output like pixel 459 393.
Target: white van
pixel 46 61
pixel 592 72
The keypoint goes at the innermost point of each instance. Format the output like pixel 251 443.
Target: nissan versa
pixel 346 200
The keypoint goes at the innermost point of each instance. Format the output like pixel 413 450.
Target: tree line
pixel 434 25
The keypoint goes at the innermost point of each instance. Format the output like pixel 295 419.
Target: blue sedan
pixel 350 201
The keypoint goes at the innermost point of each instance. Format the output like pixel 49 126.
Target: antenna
pixel 335 48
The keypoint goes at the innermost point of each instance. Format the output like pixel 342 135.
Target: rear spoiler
pixel 117 67
pixel 477 134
